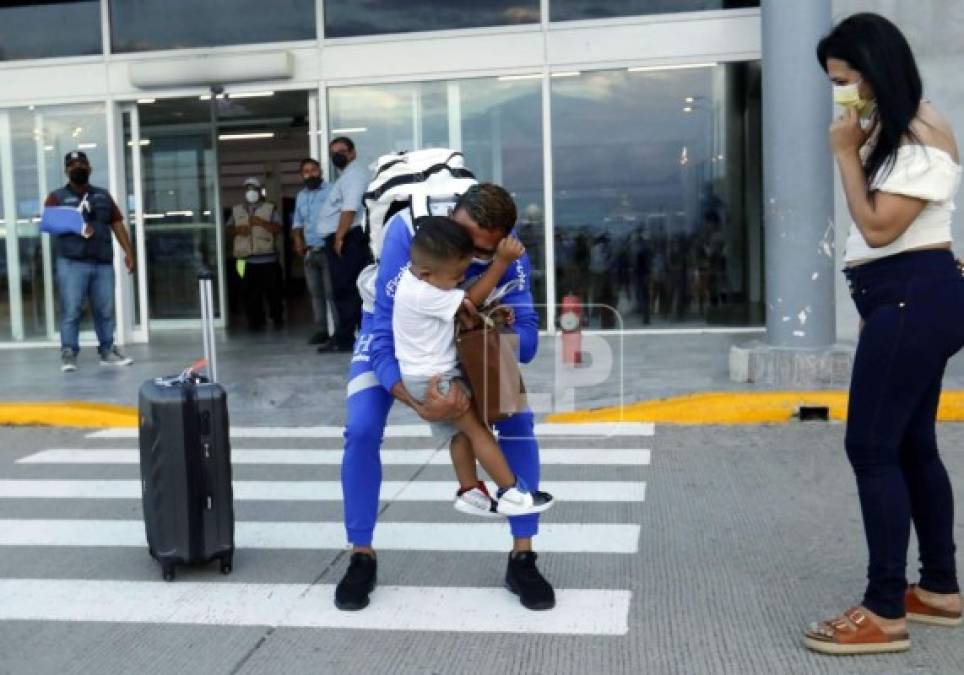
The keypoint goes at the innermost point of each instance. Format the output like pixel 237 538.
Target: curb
pixel 732 408
pixel 68 414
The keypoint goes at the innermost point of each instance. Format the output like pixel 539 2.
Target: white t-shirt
pixel 423 321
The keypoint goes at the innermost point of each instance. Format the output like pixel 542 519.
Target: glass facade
pixel 569 10
pixel 655 219
pixel 350 18
pixel 36 30
pixel 497 123
pixel 33 143
pixel 146 25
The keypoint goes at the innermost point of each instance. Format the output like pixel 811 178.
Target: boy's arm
pixel 509 250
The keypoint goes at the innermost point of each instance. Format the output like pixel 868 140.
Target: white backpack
pixel 426 182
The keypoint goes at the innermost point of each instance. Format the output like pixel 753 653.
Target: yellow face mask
pixel 848 96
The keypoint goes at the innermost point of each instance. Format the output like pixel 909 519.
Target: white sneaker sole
pixel 470 510
pixel 117 364
pixel 513 510
pixel 68 369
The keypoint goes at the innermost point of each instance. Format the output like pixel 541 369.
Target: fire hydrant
pixel 570 321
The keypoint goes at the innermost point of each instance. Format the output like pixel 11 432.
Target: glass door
pixel 173 174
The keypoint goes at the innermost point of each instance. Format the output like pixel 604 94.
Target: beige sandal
pixel 921 612
pixel 853 633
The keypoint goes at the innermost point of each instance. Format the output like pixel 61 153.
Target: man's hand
pixel 300 247
pixel 439 407
pixel 339 243
pixel 509 250
pixel 129 262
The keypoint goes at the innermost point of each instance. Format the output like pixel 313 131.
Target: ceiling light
pixel 86 146
pixel 677 66
pixel 687 109
pixel 350 130
pixel 153 216
pixel 146 100
pixel 511 78
pixel 187 214
pixel 240 94
pixel 241 137
pixel 690 99
pixel 573 73
pixel 142 142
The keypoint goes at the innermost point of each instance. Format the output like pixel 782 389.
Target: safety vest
pixel 100 246
pixel 260 241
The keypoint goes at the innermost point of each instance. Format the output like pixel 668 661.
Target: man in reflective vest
pixel 85 263
pixel 254 227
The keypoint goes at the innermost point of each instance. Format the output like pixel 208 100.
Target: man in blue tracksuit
pixel 488 213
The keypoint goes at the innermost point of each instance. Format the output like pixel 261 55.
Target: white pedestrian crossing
pixel 220 601
pixel 463 536
pixel 470 610
pixel 613 429
pixel 282 456
pixel 314 491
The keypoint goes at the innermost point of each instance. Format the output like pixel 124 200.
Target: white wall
pixel 933 28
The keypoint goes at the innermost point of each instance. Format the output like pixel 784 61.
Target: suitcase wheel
pixel 226 566
pixel 168 573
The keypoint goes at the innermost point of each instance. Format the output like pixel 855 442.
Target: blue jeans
pixel 912 306
pixel 77 280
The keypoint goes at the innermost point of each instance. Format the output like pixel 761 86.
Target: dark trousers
pixel 344 270
pixel 263 283
pixel 912 306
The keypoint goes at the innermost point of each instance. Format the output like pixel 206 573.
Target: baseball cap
pixel 75 156
pixel 252 181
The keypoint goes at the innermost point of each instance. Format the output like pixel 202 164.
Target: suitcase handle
pixel 206 292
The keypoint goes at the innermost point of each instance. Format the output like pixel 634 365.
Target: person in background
pixel 309 242
pixel 85 264
pixel 900 169
pixel 254 227
pixel 343 215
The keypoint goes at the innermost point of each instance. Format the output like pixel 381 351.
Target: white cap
pixel 252 181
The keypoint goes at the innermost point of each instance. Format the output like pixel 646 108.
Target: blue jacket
pixel 394 261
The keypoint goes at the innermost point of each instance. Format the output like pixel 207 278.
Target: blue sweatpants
pixel 368 405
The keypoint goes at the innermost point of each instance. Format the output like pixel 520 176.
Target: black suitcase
pixel 185 463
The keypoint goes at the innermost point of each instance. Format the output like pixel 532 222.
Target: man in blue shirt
pixel 488 214
pixel 309 241
pixel 343 215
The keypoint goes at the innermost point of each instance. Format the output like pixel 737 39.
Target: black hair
pixel 877 49
pixel 308 160
pixel 439 239
pixel 490 206
pixel 350 144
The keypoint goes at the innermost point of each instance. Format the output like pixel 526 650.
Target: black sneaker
pixel 352 591
pixel 523 578
pixel 319 338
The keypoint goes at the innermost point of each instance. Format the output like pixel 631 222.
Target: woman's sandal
pixel 853 633
pixel 921 612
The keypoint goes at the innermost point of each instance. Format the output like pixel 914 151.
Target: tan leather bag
pixel 488 359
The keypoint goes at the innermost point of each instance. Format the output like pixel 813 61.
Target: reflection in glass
pixel 145 25
pixel 39 139
pixel 497 124
pixel 45 29
pixel 349 18
pixel 568 10
pixel 179 176
pixel 657 190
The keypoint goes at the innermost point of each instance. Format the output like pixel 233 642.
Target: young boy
pixel 427 301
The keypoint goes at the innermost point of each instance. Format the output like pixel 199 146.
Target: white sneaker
pixel 114 357
pixel 516 502
pixel 68 361
pixel 477 502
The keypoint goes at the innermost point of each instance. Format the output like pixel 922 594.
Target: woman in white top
pixel 900 170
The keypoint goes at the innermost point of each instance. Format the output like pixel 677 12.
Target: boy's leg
pixel 485 449
pixel 463 461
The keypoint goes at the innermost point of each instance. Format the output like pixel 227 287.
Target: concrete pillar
pixel 797 176
pixel 798 184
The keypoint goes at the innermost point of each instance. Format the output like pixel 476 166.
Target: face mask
pixel 313 183
pixel 340 160
pixel 848 96
pixel 79 175
pixel 252 196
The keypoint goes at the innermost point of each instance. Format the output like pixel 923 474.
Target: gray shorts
pixel 418 385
